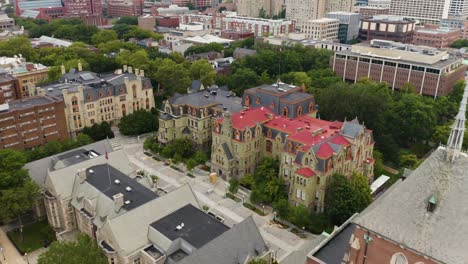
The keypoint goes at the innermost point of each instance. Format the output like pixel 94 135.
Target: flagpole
pixel 108 172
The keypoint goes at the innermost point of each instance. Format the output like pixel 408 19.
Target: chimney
pixel 80 66
pixel 130 70
pixel 82 175
pixel 125 68
pixel 126 81
pixel 137 71
pixel 142 73
pixel 62 69
pixel 118 201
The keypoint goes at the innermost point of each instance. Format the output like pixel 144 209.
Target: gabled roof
pixel 352 128
pixel 237 245
pixel 250 117
pixel 324 151
pixel 306 172
pixel 400 214
pixel 196 85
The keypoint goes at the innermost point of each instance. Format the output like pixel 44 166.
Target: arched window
pixel 134 91
pixel 147 104
pixel 306 162
pixel 101 94
pixel 290 146
pixel 269 133
pixel 398 258
pixel 269 146
pixel 299 111
pixel 74 102
pixel 272 105
pixel 109 93
pixel 247 101
pixel 257 132
pixel 257 101
pixel 285 111
pixel 124 111
pixel 248 135
pixel 297 148
pixel 237 135
pixel 311 107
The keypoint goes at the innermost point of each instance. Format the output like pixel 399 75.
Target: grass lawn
pixel 35 236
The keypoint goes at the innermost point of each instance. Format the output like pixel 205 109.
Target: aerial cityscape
pixel 233 132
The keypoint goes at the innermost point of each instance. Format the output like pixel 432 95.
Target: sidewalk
pixel 12 256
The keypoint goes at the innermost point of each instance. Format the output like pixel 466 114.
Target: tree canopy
pixel 82 251
pixel 202 70
pixel 99 131
pixel 137 123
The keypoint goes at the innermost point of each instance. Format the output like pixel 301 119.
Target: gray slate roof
pixel 38 168
pixel 352 128
pixel 400 213
pixel 223 98
pixel 227 151
pixel 232 247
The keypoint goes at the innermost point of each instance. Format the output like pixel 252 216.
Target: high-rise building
pixel 458 8
pixel 79 7
pixel 349 25
pixel 339 6
pixel 303 10
pixel 252 8
pixel 426 11
pixel 120 8
pixel 379 3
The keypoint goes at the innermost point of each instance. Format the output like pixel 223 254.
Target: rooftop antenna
pixel 455 141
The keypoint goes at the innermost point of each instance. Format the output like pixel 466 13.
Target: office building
pixel 339 6
pixel 259 26
pixel 348 28
pixel 78 7
pixel 436 37
pixel 251 8
pixel 424 11
pixel 303 10
pixel 379 3
pixel 321 29
pixel 120 8
pixel 369 12
pixel 385 27
pixel 31 122
pixel 92 98
pixel 101 195
pixel 430 71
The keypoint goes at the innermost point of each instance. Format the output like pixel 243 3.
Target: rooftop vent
pixel 128 189
pixel 117 182
pixel 179 227
pixel 90 171
pixel 432 204
pixel 77 156
pixel 128 202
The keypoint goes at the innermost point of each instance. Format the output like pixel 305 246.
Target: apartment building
pixel 379 3
pixel 191 115
pixel 348 28
pixel 430 71
pixel 80 7
pixel 100 196
pixel 321 29
pixel 458 23
pixel 309 43
pixel 425 11
pixel 259 26
pixel 436 37
pixel 387 27
pixel 91 98
pixel 120 8
pixel 196 3
pixel 251 8
pixel 369 12
pixel 339 6
pixel 31 122
pixel 310 150
pixel 303 10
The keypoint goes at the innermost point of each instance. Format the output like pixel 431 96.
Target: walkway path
pixel 9 254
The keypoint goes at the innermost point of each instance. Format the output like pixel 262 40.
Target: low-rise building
pixel 242 52
pixel 120 8
pixel 92 98
pixel 368 11
pixel 31 122
pixel 430 71
pixel 191 115
pixel 9 88
pixel 385 27
pixel 236 35
pixel 348 28
pixel 321 29
pixel 6 22
pixel 28 74
pixel 436 37
pixel 295 38
pixel 102 195
pixel 310 150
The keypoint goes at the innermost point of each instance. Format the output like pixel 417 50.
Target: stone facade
pixel 90 98
pixel 310 150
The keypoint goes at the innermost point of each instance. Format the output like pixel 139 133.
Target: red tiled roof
pixel 340 140
pixel 325 151
pixel 249 117
pixel 306 172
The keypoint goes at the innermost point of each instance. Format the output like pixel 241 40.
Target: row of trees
pixel 138 122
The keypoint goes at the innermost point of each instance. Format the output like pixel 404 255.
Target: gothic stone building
pixel 310 150
pixel 92 98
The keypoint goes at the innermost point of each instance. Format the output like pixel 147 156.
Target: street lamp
pixel 274 216
pixel 303 230
pixel 263 209
pixel 3 253
pixel 26 255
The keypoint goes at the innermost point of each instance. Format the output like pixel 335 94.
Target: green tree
pixel 408 160
pixel 202 48
pixel 127 20
pixel 241 80
pixel 172 77
pixel 233 185
pixel 297 78
pixel 99 131
pixel 17 46
pixel 459 43
pixel 103 36
pixel 139 122
pixel 346 197
pixel 202 70
pixel 18 200
pixel 258 261
pixel 12 173
pixel 82 251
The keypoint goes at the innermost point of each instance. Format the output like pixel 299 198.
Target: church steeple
pixel 455 140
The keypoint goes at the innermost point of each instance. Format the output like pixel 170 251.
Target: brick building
pixel 368 11
pixel 387 28
pixel 79 7
pixel 47 9
pixel 236 35
pixel 436 37
pixel 31 122
pixel 9 88
pixel 120 8
pixel 91 98
pixel 430 71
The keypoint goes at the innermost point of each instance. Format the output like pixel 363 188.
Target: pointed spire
pixel 455 141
